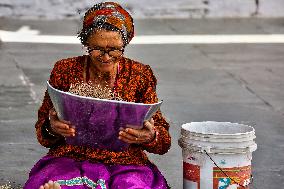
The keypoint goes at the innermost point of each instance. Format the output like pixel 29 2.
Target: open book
pixel 98 121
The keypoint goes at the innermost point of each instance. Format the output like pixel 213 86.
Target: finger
pixel 53 115
pixel 148 125
pixel 59 125
pixel 65 132
pixel 55 118
pixel 124 139
pixel 134 132
pixel 41 187
pixel 135 139
pixel 152 121
pixel 52 111
pixel 66 122
pixel 56 185
pixel 46 186
pixel 127 135
pixel 69 130
pixel 68 135
pixel 50 183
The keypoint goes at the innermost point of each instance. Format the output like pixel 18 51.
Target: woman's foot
pixel 50 185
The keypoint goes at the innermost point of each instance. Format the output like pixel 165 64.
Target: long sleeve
pixel 44 138
pixel 162 142
pixel 136 83
pixel 58 81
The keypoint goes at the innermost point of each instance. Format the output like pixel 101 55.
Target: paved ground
pixel 66 9
pixel 233 82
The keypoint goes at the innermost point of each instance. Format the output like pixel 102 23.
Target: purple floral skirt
pixel 74 174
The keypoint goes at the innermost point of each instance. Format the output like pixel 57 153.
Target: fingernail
pixel 56 185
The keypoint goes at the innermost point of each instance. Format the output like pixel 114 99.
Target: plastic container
pixel 217 155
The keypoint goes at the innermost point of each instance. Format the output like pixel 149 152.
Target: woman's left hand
pixel 138 136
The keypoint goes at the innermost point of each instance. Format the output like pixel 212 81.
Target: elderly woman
pixel 107 29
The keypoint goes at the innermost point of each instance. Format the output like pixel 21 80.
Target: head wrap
pixel 105 14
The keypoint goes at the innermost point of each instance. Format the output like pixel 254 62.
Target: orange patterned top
pixel 135 83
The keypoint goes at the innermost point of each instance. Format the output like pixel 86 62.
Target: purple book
pixel 98 121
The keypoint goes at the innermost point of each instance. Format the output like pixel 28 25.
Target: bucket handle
pixel 251 177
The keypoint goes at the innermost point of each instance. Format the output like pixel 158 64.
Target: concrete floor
pixel 232 82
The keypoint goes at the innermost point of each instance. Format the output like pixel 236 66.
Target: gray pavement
pixel 232 82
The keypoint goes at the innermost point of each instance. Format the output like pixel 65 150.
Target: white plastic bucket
pixel 217 155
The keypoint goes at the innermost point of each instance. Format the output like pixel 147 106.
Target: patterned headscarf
pixel 107 14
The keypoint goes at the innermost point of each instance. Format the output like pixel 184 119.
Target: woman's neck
pixel 103 78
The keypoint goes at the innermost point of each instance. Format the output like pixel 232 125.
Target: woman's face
pixel 105 49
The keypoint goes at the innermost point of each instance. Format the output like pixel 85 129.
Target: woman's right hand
pixel 60 127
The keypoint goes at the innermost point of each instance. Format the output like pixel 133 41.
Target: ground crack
pixel 26 81
pixel 245 85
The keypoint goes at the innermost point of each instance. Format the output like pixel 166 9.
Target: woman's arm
pixel 45 136
pixel 162 142
pixel 43 130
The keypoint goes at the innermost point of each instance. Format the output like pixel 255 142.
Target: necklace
pixel 104 79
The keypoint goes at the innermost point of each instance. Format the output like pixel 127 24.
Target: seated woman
pixel 107 29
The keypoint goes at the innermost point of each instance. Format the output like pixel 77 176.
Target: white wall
pixel 53 9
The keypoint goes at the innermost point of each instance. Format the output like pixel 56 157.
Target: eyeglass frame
pixel 104 51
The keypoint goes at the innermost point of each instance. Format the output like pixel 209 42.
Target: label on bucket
pixel 239 174
pixel 191 175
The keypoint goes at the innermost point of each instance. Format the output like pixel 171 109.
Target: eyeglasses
pixel 112 52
